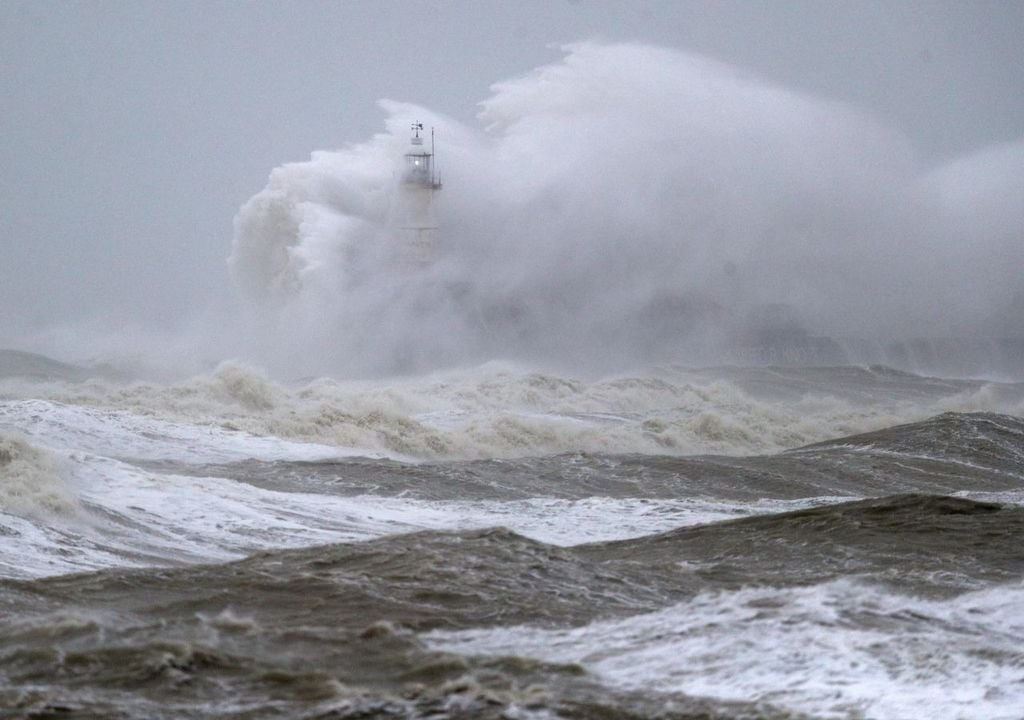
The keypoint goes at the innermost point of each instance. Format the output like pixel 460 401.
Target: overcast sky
pixel 131 132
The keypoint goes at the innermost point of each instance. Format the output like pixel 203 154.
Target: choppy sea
pixel 494 542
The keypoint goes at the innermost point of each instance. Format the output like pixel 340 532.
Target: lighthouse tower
pixel 417 225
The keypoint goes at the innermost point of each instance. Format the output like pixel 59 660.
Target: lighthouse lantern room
pixel 419 166
pixel 415 206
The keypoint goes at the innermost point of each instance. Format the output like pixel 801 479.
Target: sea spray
pixel 626 204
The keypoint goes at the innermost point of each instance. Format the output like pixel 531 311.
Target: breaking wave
pixel 631 203
pixel 501 411
pixel 31 483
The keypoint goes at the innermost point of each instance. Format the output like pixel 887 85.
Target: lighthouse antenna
pixel 433 157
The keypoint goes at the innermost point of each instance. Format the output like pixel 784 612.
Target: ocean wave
pixel 31 481
pixel 501 411
pixel 837 650
pixel 799 631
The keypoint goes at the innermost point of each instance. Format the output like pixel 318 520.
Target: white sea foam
pixel 131 515
pixel 119 433
pixel 838 650
pixel 491 411
pixel 136 517
pixel 1005 497
pixel 89 455
pixel 31 481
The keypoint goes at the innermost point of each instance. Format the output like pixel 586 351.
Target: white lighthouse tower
pixel 417 225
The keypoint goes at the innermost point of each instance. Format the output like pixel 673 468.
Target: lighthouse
pixel 416 223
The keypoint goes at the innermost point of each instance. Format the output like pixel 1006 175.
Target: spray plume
pixel 626 205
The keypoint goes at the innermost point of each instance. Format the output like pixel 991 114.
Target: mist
pixel 625 205
pixel 702 182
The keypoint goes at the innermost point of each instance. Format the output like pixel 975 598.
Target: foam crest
pixel 123 434
pixel 491 411
pixel 31 483
pixel 130 516
pixel 838 650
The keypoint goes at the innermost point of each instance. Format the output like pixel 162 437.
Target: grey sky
pixel 131 132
